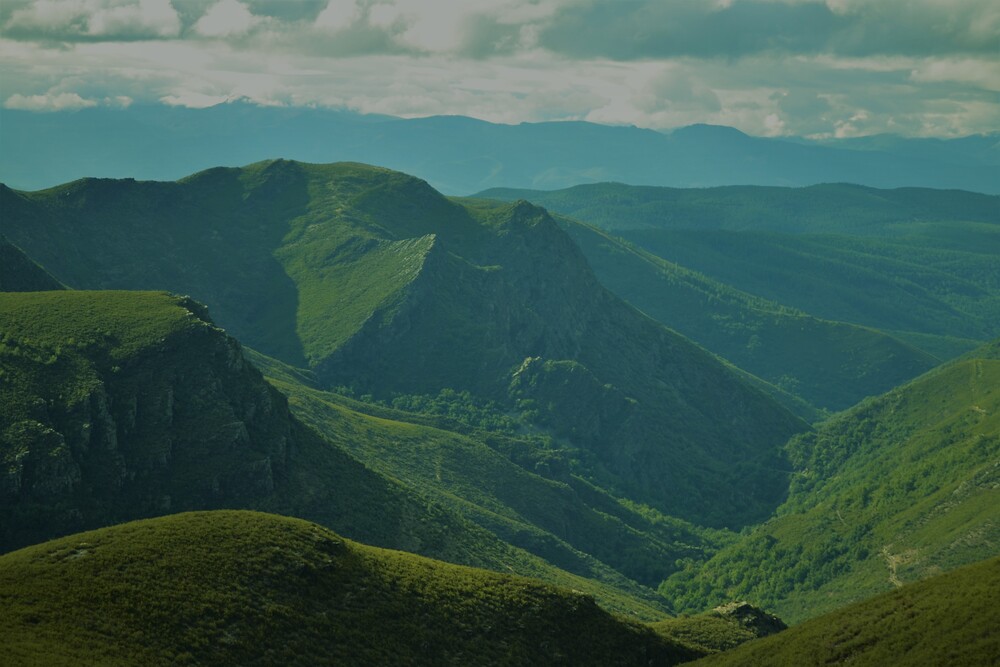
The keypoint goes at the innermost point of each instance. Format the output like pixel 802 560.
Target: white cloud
pixel 226 18
pixel 151 18
pixel 105 19
pixel 338 15
pixel 480 58
pixel 48 102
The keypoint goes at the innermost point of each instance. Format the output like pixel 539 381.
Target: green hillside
pixel 223 588
pixel 832 365
pixel 379 284
pixel 949 619
pixel 905 260
pixel 519 489
pixel 837 208
pixel 900 487
pixel 19 274
pixel 121 405
pixel 912 284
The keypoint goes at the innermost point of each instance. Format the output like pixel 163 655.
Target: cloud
pixel 808 67
pixel 226 18
pixel 48 102
pixel 656 29
pixel 338 15
pixel 94 20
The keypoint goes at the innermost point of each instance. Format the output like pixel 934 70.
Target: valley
pixel 612 405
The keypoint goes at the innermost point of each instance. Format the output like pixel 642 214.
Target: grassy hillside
pixel 246 588
pixel 518 488
pixel 378 283
pixel 900 487
pixel 121 405
pixel 949 619
pixel 905 260
pixel 923 283
pixel 832 365
pixel 19 274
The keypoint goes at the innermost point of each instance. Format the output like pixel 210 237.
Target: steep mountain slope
pixel 120 405
pixel 379 283
pixel 244 588
pixel 519 489
pixel 896 489
pixel 906 260
pixel 19 274
pixel 949 619
pixel 832 365
pixel 461 155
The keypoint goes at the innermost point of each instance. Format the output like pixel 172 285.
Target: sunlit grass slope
pixel 950 619
pixel 227 587
pixel 899 488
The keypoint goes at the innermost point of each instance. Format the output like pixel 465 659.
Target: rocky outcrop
pixel 184 423
pixel 751 618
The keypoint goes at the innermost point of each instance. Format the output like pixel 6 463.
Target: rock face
pixel 183 422
pixel 751 618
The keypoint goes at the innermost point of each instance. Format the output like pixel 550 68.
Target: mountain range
pixel 378 283
pixel 605 399
pixel 460 155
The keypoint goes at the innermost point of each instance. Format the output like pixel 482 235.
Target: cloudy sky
pixel 821 68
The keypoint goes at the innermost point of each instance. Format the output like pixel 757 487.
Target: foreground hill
pixel 378 283
pixel 461 155
pixel 918 262
pixel 121 405
pixel 949 619
pixel 899 488
pixel 223 588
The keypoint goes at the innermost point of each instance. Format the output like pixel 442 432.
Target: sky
pixel 813 68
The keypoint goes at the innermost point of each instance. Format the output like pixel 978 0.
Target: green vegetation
pixel 119 405
pixel 520 491
pixel 904 283
pixel 245 588
pixel 19 274
pixel 721 629
pixel 379 284
pixel 900 487
pixel 832 365
pixel 949 619
pixel 906 260
pixel 838 208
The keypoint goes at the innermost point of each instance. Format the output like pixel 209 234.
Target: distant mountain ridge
pixel 914 262
pixel 460 155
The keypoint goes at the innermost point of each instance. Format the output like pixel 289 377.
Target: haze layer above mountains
pixel 459 155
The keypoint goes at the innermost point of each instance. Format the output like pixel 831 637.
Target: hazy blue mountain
pixel 460 155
